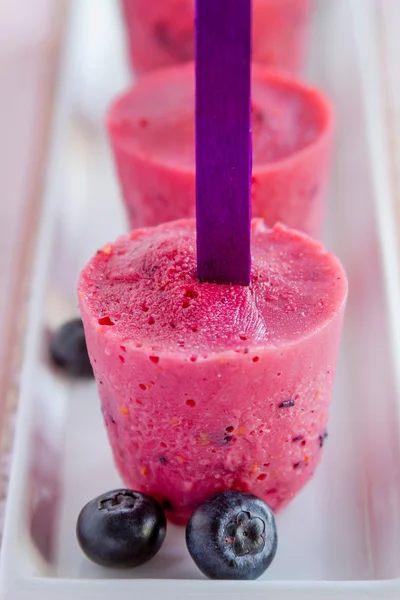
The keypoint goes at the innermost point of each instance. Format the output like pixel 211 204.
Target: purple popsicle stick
pixel 223 140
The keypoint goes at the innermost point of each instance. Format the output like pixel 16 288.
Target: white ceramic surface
pixel 340 538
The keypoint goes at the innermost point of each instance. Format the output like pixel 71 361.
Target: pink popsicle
pixel 154 148
pixel 207 387
pixel 160 32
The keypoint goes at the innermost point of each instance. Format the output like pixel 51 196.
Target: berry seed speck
pixel 287 404
pixel 322 438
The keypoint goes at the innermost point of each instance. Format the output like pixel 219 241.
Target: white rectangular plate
pixel 341 536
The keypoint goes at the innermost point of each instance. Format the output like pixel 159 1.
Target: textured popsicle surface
pixel 207 387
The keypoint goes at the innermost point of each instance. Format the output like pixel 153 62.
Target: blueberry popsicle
pixel 208 387
pixel 154 148
pixel 162 33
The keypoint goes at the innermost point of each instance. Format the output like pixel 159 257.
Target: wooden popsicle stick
pixel 223 140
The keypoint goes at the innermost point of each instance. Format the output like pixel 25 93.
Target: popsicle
pixel 154 149
pixel 214 343
pixel 161 33
pixel 207 387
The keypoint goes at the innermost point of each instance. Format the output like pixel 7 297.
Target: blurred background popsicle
pixel 154 149
pixel 161 33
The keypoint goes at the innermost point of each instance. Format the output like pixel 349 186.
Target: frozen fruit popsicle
pixel 160 33
pixel 153 145
pixel 208 387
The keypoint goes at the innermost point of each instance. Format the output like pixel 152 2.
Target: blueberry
pixel 232 536
pixel 121 529
pixel 68 349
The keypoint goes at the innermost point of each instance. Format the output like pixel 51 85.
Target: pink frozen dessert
pixel 161 33
pixel 208 387
pixel 152 133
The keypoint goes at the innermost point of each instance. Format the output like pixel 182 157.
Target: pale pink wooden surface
pixel 29 34
pixel 389 23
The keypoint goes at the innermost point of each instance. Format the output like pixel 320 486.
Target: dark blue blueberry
pixel 121 529
pixel 68 349
pixel 232 536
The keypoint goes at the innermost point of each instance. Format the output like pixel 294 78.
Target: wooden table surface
pixel 30 35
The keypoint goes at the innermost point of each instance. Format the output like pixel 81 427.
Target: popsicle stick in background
pixel 223 140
